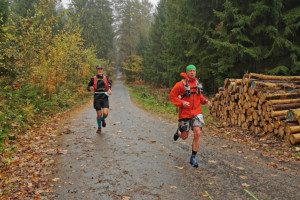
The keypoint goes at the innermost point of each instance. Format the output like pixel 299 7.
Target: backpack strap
pixel 187 89
pixel 95 83
pixel 199 87
pixel 105 82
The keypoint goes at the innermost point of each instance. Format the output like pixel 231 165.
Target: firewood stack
pixel 261 103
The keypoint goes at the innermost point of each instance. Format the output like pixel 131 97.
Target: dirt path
pixel 136 158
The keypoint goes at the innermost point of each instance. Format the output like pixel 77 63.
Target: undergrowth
pixel 28 106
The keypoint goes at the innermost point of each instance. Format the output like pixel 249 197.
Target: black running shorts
pixel 101 103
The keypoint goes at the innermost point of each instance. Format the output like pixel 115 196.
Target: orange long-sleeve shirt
pixel 195 100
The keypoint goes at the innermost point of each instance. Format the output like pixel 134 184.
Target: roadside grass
pixel 149 99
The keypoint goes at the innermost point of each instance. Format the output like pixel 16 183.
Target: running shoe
pixel 176 135
pixel 98 131
pixel 193 161
pixel 103 123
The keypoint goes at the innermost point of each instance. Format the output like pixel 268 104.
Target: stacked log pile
pixel 261 103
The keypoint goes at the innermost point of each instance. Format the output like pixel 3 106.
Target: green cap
pixel 188 68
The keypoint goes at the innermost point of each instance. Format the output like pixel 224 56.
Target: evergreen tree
pixel 254 38
pixel 222 38
pixel 3 12
pixel 178 37
pixel 287 43
pixel 133 26
pixel 155 71
pixel 24 8
pixel 96 20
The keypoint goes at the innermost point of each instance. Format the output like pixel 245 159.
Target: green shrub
pixel 28 105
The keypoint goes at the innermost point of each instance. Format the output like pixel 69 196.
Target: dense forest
pixel 223 38
pixel 48 52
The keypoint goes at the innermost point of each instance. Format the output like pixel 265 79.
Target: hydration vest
pixel 187 89
pixel 105 82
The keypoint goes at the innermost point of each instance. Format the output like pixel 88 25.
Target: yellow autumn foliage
pixel 133 68
pixel 42 56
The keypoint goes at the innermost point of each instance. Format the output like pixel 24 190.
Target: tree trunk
pixel 266 96
pixel 293 115
pixel 269 77
pixel 278 113
pixel 292 129
pixel 281 118
pixel 260 105
pixel 256 85
pixel 283 101
pixel 281 132
pixel 294 138
pixel 285 106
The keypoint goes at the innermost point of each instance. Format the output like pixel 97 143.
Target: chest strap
pixel 105 82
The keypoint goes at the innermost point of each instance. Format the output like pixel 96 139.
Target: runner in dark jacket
pixel 101 86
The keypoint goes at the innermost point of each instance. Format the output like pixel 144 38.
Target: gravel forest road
pixel 136 158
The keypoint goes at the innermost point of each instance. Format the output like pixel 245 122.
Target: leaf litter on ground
pixel 26 171
pixel 270 145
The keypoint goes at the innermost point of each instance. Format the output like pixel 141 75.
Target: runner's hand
pixel 185 104
pixel 91 88
pixel 109 92
pixel 208 103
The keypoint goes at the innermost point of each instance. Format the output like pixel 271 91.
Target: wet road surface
pixel 136 158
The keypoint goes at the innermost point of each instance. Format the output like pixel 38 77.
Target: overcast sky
pixel 66 2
